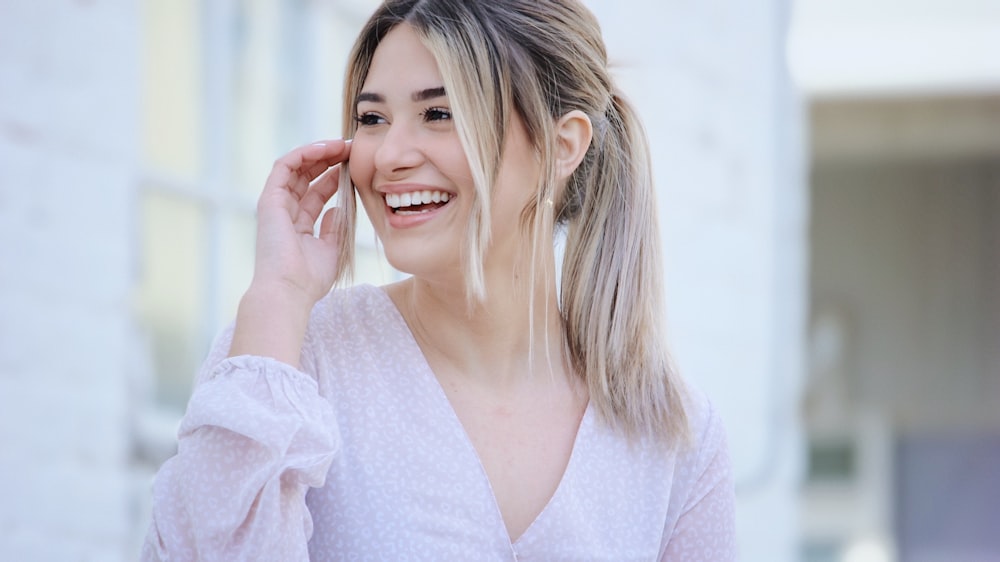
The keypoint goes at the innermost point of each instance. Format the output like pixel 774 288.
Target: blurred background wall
pixel 900 408
pixel 830 198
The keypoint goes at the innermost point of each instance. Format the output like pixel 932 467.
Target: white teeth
pixel 401 200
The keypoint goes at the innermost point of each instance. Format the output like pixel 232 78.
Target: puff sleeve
pixel 256 436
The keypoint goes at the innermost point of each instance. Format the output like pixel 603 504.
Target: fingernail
pixel 319 144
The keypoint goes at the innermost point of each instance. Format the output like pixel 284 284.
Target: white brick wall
pixel 68 135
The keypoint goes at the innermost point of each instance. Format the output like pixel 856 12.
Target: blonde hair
pixel 543 59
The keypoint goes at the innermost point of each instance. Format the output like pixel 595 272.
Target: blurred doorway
pixel 901 407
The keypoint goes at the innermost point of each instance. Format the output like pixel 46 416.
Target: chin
pixel 414 257
pixel 423 260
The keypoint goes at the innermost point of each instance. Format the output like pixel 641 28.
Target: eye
pixel 369 119
pixel 436 114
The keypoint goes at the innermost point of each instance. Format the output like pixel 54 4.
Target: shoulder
pixel 700 522
pixel 352 310
pixel 350 326
pixel 708 433
pixel 356 298
pixel 705 463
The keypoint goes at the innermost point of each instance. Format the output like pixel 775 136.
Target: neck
pixel 513 336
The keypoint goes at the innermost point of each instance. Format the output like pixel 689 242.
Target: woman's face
pixel 410 169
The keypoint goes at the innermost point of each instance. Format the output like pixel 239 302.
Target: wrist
pixel 271 322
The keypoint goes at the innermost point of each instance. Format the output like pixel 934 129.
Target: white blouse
pixel 360 456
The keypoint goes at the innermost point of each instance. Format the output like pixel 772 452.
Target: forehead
pixel 401 63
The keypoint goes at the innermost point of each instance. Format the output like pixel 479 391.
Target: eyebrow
pixel 428 94
pixel 420 95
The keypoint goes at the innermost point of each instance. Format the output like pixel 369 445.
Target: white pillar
pixel 68 139
pixel 725 125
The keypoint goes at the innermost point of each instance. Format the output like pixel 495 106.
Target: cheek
pixel 449 158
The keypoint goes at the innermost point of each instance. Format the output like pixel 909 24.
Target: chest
pixel 524 448
pixel 409 482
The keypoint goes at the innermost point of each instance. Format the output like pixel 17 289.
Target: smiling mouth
pixel 416 202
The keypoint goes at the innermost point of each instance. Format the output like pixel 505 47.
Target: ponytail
pixel 612 299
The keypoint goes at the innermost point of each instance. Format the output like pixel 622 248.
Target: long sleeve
pixel 256 436
pixel 706 529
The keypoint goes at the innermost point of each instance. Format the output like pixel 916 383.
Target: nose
pixel 399 151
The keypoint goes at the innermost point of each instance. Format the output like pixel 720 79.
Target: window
pixel 831 461
pixel 229 86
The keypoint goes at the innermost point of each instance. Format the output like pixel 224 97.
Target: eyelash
pixel 440 112
pixel 429 114
pixel 368 119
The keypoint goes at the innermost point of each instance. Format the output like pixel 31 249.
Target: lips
pixel 408 206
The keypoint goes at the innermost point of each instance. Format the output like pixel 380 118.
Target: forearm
pixel 271 322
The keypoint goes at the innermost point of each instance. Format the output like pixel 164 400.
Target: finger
pixel 295 170
pixel 319 194
pixel 319 156
pixel 338 155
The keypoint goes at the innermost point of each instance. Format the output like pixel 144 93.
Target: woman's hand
pixel 289 255
pixel 294 267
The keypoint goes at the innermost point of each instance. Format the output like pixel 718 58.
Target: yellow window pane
pixel 172 288
pixel 172 87
pixel 236 261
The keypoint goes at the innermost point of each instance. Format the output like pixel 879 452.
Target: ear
pixel 573 134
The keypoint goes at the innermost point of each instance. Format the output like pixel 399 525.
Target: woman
pixel 471 411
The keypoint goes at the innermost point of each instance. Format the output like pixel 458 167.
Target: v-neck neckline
pixel 430 379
